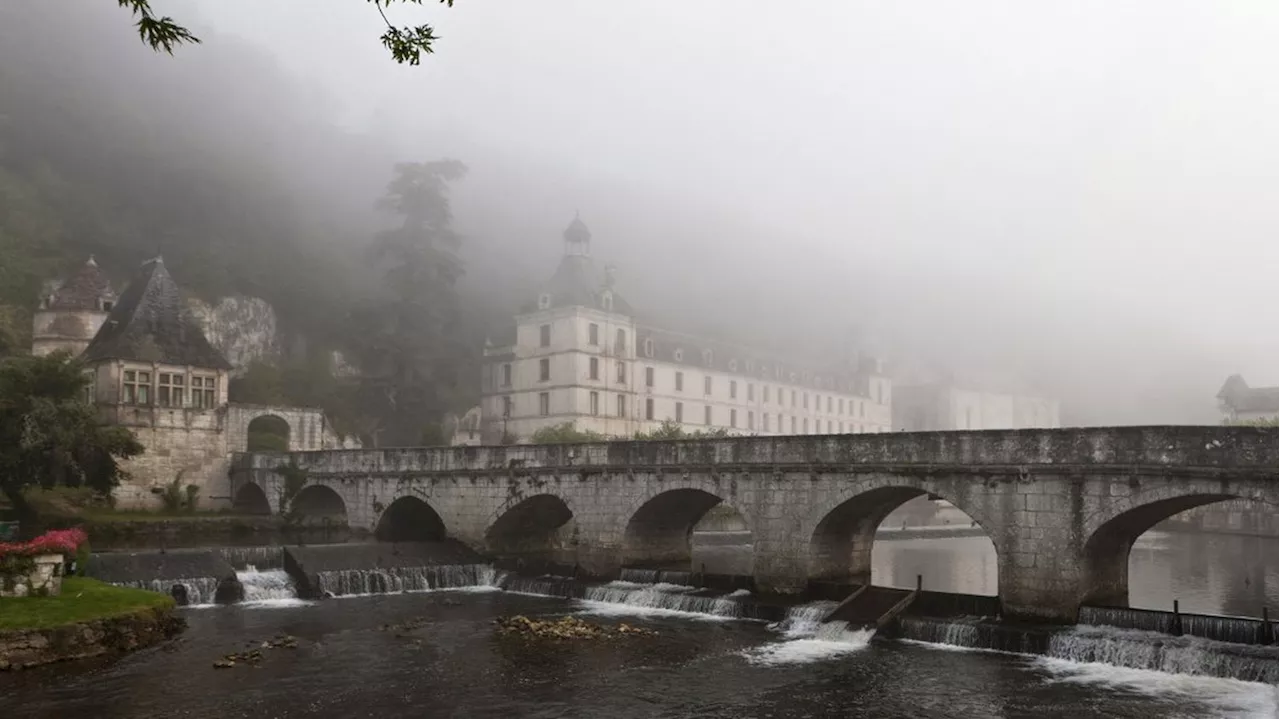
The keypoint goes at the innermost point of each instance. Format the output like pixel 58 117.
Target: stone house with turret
pixel 154 371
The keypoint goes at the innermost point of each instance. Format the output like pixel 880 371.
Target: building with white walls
pixel 579 354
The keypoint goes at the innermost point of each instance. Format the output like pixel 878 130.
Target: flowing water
pixel 444 659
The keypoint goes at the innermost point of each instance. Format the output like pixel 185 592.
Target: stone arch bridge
pixel 1063 507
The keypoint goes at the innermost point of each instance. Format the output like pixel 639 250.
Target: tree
pixel 670 429
pixel 407 44
pixel 406 338
pixel 49 435
pixel 566 433
pixel 1259 422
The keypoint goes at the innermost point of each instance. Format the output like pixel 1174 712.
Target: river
pixel 451 663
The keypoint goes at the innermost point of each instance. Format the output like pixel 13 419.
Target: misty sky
pixel 1081 193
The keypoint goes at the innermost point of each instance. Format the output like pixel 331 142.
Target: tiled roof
pixel 151 323
pixel 84 290
pixel 1237 394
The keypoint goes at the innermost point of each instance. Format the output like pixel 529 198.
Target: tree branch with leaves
pixel 407 43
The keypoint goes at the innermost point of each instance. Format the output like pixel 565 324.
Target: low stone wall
pixel 24 648
pixel 44 579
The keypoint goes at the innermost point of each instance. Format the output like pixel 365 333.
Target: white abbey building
pixel 579 355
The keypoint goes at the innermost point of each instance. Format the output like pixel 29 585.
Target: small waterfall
pixel 655 576
pixel 259 557
pixel 808 638
pixel 669 597
pixel 547 586
pixel 199 590
pixel 1240 630
pixel 265 586
pixel 394 580
pixel 1173 655
pixel 974 633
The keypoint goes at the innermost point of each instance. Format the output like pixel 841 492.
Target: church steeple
pixel 577 238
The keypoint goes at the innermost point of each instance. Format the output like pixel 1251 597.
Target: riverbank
pixel 89 618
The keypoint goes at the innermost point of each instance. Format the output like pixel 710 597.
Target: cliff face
pixel 243 328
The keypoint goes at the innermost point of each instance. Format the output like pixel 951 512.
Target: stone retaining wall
pixel 24 648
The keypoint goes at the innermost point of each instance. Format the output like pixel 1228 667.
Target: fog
pixel 1078 197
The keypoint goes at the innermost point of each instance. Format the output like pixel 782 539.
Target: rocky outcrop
pixel 23 648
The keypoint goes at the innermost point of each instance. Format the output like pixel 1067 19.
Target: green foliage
pixel 295 478
pixel 407 44
pixel 177 498
pixel 406 337
pixel 49 436
pixel 671 429
pixel 82 599
pixel 566 433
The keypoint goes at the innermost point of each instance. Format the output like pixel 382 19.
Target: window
pixel 595 404
pixel 622 405
pixel 544 403
pixel 137 387
pixel 648 378
pixel 862 410
pixel 544 301
pixel 172 390
pixel 648 408
pixel 648 348
pixel 606 301
pixel 828 405
pixel 593 334
pixel 622 371
pixel 793 398
pixel 733 389
pixel 204 391
pixel 620 344
pixel 593 368
pixel 751 392
pixel 766 394
pixel 506 375
pixel 107 305
pixel 733 418
pixel 706 384
pixel 544 369
pixel 806 400
pixel 830 427
pixel 751 420
pixel 840 426
pixel 765 419
pixel 805 425
pixel 679 411
pixel 879 393
pixel 679 381
pixel 544 336
pixel 968 418
pixel 793 424
pixel 706 415
pixel 840 406
pixel 506 405
pixel 678 355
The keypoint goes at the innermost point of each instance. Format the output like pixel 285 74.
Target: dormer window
pixel 707 357
pixel 606 300
pixel 733 365
pixel 544 301
pixel 648 348
pixel 678 355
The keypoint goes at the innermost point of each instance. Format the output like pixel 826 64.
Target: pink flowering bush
pixel 58 541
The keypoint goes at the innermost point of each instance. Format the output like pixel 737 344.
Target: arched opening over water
pixel 660 532
pixel 890 535
pixel 267 433
pixel 318 505
pixel 1214 554
pixel 538 525
pixel 250 499
pixel 409 519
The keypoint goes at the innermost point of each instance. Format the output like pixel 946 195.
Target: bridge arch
pixel 843 534
pixel 534 525
pixel 660 529
pixel 410 519
pixel 267 432
pixel 1111 533
pixel 319 504
pixel 251 499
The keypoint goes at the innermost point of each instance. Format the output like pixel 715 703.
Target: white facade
pixel 941 406
pixel 578 356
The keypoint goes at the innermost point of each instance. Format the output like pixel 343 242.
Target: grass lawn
pixel 82 599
